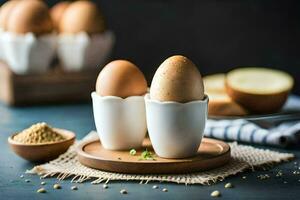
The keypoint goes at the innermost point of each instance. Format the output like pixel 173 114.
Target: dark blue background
pixel 217 35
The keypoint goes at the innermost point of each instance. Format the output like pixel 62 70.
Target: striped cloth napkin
pixel 283 135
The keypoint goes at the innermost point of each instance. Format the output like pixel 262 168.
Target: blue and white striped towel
pixel 286 134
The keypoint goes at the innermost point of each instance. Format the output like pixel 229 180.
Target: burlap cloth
pixel 243 157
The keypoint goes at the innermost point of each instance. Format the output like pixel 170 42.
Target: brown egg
pixel 82 16
pixel 57 12
pixel 121 78
pixel 177 79
pixel 5 12
pixel 30 16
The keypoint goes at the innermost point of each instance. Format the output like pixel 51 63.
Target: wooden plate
pixel 211 154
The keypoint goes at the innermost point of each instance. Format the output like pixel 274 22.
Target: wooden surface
pixel 79 119
pixel 43 152
pixel 211 154
pixel 56 86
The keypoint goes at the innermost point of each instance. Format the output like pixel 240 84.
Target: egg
pixel 30 16
pixel 57 11
pixel 121 78
pixel 177 79
pixel 5 12
pixel 82 16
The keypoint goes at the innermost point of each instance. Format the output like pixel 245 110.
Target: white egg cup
pixel 28 53
pixel 176 129
pixel 120 123
pixel 82 51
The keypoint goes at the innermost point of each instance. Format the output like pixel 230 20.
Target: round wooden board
pixel 211 154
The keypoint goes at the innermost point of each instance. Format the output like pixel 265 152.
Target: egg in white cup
pixel 176 109
pixel 119 106
pixel 28 44
pixel 83 41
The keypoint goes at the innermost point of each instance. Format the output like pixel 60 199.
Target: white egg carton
pixel 27 53
pixel 30 54
pixel 82 51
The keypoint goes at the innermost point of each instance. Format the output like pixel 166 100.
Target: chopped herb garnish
pixel 132 152
pixel 147 155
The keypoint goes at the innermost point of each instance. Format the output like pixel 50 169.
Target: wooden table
pixel 79 119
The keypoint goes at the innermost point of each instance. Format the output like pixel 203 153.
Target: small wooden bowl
pixel 43 152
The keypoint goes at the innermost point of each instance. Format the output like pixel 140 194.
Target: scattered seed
pixel 299 180
pixel 27 180
pixel 105 186
pixel 244 177
pixel 165 190
pixel 228 185
pixel 154 187
pixel 285 182
pixel 295 163
pixel 41 190
pixel 123 191
pixel 215 193
pixel 263 176
pixel 43 183
pixel 56 186
pixel 21 176
pixel 279 174
pixel 74 187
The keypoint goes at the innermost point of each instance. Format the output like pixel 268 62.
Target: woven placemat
pixel 243 157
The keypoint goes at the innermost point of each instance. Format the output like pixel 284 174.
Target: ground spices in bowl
pixel 39 133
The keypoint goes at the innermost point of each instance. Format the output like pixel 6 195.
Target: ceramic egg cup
pixel 82 51
pixel 176 129
pixel 120 123
pixel 23 52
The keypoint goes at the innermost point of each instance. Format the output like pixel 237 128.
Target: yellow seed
pixel 74 188
pixel 123 191
pixel 56 186
pixel 155 187
pixel 215 193
pixel 41 190
pixel 228 185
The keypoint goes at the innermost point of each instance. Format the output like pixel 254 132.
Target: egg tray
pixel 55 86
